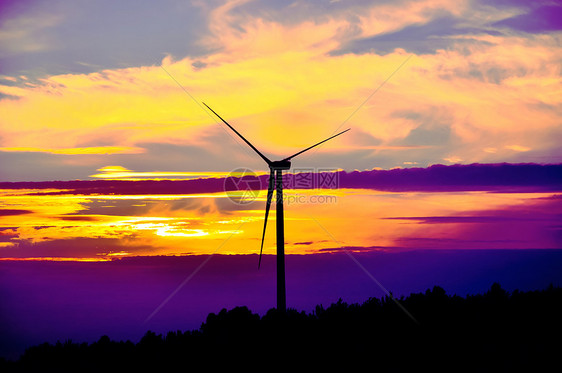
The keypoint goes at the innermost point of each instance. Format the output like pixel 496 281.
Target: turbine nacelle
pixel 280 165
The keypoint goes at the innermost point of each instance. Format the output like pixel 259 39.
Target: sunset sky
pixel 113 173
pixel 83 84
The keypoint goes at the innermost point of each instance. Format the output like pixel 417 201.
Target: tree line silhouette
pixel 494 331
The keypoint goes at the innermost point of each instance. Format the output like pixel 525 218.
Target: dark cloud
pixel 434 128
pixel 486 177
pixel 118 207
pixel 229 206
pixel 105 35
pixel 77 218
pixel 9 83
pixel 39 166
pixel 202 157
pixel 485 73
pixel 423 38
pixel 426 135
pixel 11 212
pixel 512 3
pixel 4 96
pixel 71 248
pixel 362 138
pixel 429 243
pixel 358 248
pixel 36 166
pixel 6 234
pixel 465 219
pixel 294 12
pixel 539 20
pixel 532 223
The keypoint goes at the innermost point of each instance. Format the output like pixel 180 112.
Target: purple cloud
pixel 543 19
pixel 504 177
pixel 465 219
pixel 12 212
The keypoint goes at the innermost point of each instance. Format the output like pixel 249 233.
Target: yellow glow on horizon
pixel 77 151
pixel 119 172
pixel 56 259
pixel 199 224
pixel 518 148
pixel 120 253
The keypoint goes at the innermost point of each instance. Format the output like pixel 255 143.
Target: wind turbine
pixel 276 182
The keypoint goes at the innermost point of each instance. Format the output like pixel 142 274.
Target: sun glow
pixel 107 227
pixel 57 259
pixel 78 151
pixel 118 172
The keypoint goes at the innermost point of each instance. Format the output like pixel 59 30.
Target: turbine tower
pixel 276 182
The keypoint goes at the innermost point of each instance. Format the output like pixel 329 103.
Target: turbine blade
pixel 310 147
pixel 267 206
pixel 242 137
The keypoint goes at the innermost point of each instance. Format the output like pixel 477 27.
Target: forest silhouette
pixel 494 331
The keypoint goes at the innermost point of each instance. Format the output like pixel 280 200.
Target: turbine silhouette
pixel 276 182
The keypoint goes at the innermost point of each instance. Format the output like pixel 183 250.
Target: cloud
pixel 355 249
pixel 4 96
pixel 422 38
pixel 27 34
pixel 10 212
pixel 430 127
pixel 479 219
pixel 529 224
pixel 89 248
pixel 489 177
pixel 43 39
pixel 539 20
